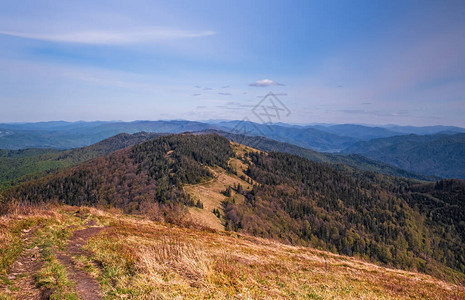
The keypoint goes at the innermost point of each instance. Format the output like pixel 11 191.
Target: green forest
pixel 385 219
pixel 146 177
pixel 17 166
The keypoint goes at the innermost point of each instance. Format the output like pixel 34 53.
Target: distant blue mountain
pixel 436 151
pixel 425 130
pixel 359 132
pixel 439 154
pixel 306 137
pixel 65 135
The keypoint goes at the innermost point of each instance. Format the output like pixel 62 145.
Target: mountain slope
pixel 121 256
pixel 273 195
pixel 132 178
pixel 440 155
pixel 349 212
pixel 21 165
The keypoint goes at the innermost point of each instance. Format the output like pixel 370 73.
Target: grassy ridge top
pixel 134 257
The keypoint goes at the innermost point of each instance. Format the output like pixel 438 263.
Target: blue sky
pixel 371 62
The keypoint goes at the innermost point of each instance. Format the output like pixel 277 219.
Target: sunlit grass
pixel 139 259
pixel 142 259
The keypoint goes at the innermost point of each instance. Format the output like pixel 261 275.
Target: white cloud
pixel 108 37
pixel 264 82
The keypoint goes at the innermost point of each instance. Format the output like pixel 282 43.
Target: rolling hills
pixel 64 135
pixel 327 138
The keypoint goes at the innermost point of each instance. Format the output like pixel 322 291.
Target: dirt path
pixel 86 286
pixel 21 272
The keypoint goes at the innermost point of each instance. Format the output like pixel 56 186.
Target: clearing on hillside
pixel 211 194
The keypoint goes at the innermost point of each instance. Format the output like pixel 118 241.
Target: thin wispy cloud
pixel 112 37
pixel 376 112
pixel 265 83
pixel 276 94
pixel 234 105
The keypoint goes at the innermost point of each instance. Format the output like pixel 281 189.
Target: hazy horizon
pixel 213 121
pixel 333 62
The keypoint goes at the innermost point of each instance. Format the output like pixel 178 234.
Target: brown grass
pixel 148 259
pixel 209 193
pixel 141 259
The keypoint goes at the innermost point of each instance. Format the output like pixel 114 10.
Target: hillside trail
pixel 87 288
pixel 21 274
pixel 216 175
pixel 22 271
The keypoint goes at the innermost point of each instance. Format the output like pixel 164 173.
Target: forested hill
pixel 394 221
pixel 388 219
pixel 147 176
pixel 18 166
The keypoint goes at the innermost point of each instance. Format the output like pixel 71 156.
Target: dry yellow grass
pixel 141 259
pixel 172 262
pixel 209 193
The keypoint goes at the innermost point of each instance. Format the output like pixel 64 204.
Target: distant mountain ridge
pixel 327 138
pixel 64 135
pixel 425 130
pixel 440 154
pixel 359 132
pixel 306 137
pixel 345 138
